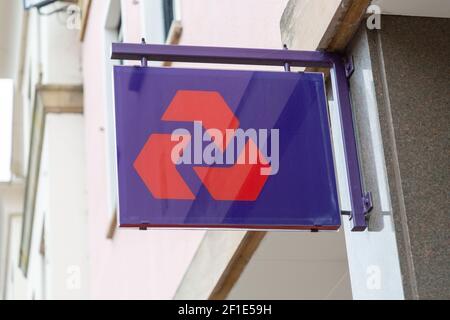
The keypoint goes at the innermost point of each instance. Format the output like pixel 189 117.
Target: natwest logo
pixel 232 163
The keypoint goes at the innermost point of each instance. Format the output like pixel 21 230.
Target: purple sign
pixel 224 149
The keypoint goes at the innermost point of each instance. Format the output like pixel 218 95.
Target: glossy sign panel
pixel 203 148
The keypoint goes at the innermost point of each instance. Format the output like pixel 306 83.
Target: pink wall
pixel 135 264
pixel 151 264
pixel 131 19
pixel 232 23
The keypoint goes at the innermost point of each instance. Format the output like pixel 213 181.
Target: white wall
pixel 10 25
pixel 60 51
pixel 11 201
pixel 62 203
pixel 296 265
pixel 372 254
pixel 152 20
pixel 15 283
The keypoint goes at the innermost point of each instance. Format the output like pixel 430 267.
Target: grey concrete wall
pixel 410 58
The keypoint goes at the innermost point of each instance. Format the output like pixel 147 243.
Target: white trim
pixel 377 142
pixel 112 20
pixel 6 128
pixel 152 21
pixel 177 10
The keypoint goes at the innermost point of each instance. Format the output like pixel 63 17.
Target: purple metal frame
pixel 361 202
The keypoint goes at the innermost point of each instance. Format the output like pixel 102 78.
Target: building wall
pixel 60 52
pixel 10 25
pixel 14 285
pixel 296 265
pixel 134 264
pixel 372 255
pixel 49 54
pixel 152 264
pixel 65 229
pixel 11 206
pixel 401 98
pixel 232 23
pixel 411 60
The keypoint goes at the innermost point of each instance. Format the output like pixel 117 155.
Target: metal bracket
pixel 287 66
pixel 143 226
pixel 349 66
pixel 368 204
pixel 346 213
pixel 144 61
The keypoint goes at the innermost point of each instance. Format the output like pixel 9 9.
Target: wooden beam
pixel 237 264
pixel 348 26
pixel 321 24
pixel 112 227
pixel 174 37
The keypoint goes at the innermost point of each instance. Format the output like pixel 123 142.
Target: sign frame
pixel 340 70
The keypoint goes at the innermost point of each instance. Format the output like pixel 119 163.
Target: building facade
pixel 58 213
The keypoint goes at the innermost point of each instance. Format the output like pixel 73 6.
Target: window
pixel 117 36
pixel 171 13
pixel 119 30
pixel 168 14
pixel 6 121
pixel 157 17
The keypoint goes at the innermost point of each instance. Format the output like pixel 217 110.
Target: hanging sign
pixel 204 148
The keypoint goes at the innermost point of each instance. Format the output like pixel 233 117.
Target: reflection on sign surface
pixel 224 149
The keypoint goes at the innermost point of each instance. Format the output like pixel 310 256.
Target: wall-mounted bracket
pixel 144 61
pixel 349 66
pixel 287 66
pixel 368 204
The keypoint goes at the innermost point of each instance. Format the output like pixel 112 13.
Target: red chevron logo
pixel 239 182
